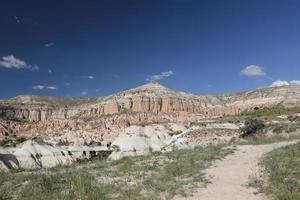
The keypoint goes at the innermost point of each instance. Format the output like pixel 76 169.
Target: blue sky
pixel 97 47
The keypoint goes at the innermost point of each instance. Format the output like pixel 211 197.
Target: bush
pixel 252 127
pixel 20 140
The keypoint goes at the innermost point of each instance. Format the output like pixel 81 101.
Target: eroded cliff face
pixel 102 118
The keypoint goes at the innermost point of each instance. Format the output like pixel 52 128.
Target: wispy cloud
pixel 51 44
pixel 11 61
pixel 49 71
pixel 44 87
pixel 279 83
pixel 253 71
pixel 67 84
pixel 83 93
pixel 91 77
pixel 160 76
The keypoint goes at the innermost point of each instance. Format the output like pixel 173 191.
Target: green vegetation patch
pixel 258 140
pixel 263 113
pixel 282 167
pixel 271 112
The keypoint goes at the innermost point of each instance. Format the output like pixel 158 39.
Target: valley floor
pixel 219 172
pixel 155 176
pixel 230 176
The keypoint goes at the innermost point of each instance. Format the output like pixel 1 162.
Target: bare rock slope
pixel 104 118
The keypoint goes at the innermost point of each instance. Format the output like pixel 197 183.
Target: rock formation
pixel 31 155
pixel 104 118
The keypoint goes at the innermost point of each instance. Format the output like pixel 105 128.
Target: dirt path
pixel 230 176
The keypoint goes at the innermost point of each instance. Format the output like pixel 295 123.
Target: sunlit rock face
pixel 104 118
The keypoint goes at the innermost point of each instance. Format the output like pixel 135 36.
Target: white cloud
pixel 91 77
pixel 83 93
pixel 253 70
pixel 49 44
pixel 279 83
pixel 295 82
pixel 42 87
pixel 160 76
pixel 49 71
pixel 12 62
pixel 51 87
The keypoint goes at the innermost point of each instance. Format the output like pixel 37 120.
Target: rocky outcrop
pixel 104 118
pixel 139 140
pixel 31 155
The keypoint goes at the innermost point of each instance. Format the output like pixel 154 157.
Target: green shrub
pixel 21 140
pixel 252 127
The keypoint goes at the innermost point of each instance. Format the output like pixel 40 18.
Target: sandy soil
pixel 230 176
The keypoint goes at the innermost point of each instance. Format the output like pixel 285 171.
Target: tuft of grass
pixel 257 183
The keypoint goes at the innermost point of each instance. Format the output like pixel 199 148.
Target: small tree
pixel 252 127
